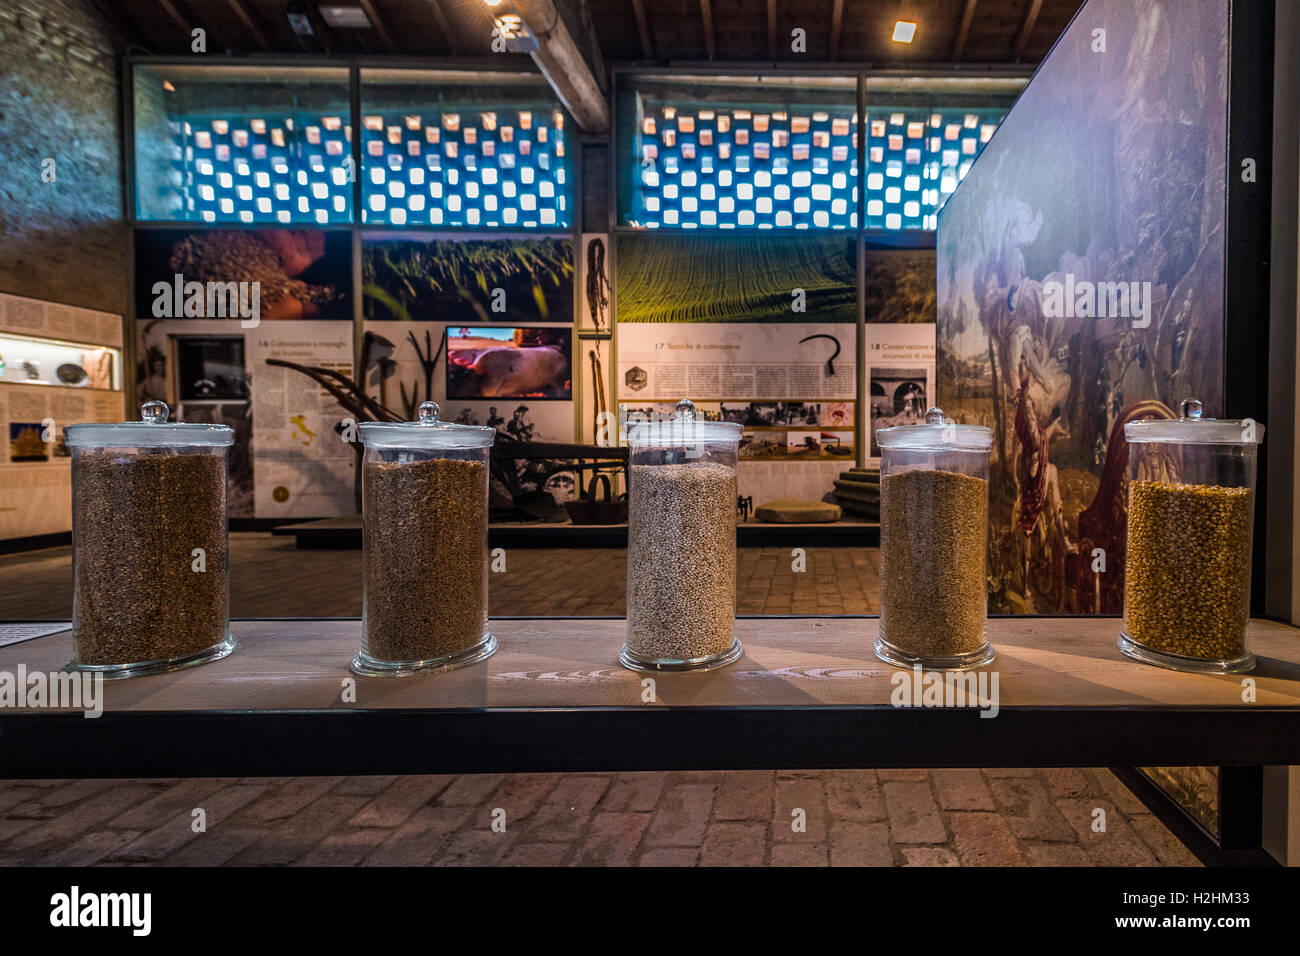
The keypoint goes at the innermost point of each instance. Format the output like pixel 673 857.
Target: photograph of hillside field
pixel 898 285
pixel 695 278
pixel 1066 313
pixel 470 281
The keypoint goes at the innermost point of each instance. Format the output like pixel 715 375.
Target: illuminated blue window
pixel 797 168
pixel 264 169
pixel 748 168
pixel 916 158
pixel 242 144
pixel 466 168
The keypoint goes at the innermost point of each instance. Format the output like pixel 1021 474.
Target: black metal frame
pixel 1240 800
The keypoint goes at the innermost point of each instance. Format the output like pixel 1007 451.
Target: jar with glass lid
pixel 934 493
pixel 1187 559
pixel 424 504
pixel 150 564
pixel 681 557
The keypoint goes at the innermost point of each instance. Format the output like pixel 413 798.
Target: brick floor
pixel 785 818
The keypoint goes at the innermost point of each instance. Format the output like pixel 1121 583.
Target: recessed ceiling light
pixel 904 30
pixel 299 19
pixel 345 17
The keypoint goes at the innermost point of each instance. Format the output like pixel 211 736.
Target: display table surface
pixel 808 693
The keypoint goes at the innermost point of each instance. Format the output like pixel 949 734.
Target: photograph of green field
pixel 467 281
pixel 694 278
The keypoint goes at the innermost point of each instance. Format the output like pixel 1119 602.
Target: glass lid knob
pixel 1191 408
pixel 429 413
pixel 934 415
pixel 685 410
pixel 154 412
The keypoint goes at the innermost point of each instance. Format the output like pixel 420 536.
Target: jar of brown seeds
pixel 1187 562
pixel 934 501
pixel 424 504
pixel 150 566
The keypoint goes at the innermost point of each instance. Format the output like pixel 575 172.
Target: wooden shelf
pixel 807 694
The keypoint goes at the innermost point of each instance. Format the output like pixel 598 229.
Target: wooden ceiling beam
pixel 643 28
pixel 238 9
pixel 837 22
pixel 1026 28
pixel 562 33
pixel 444 26
pixel 706 15
pixel 963 31
pixel 771 29
pixel 375 21
pixel 174 15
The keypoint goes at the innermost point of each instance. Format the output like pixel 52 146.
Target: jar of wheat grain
pixel 681 551
pixel 934 499
pixel 150 567
pixel 1187 561
pixel 424 521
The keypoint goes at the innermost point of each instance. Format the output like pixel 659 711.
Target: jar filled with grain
pixel 681 549
pixel 934 501
pixel 1187 560
pixel 150 566
pixel 424 518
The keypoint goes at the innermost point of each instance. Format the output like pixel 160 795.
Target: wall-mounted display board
pixel 1081 285
pixel 758 329
pixel 281 273
pixel 287 461
pixel 59 365
pixel 430 278
pixel 304 468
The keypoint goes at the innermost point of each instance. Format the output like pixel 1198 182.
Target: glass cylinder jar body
pixel 934 491
pixel 150 556
pixel 681 560
pixel 424 491
pixel 1187 559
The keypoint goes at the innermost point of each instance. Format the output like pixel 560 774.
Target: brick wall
pixel 63 241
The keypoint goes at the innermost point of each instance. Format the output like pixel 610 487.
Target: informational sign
pixel 900 377
pixel 791 386
pixel 303 466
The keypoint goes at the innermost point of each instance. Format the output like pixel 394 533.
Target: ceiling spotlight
pixel 299 19
pixel 346 17
pixel 904 30
pixel 493 3
pixel 512 28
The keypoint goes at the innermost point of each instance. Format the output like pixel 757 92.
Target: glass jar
pixel 934 503
pixel 150 565
pixel 681 548
pixel 1191 509
pixel 424 518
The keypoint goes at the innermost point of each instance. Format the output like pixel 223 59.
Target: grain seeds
pixel 425 560
pixel 681 560
pixel 933 535
pixel 137 520
pixel 1187 573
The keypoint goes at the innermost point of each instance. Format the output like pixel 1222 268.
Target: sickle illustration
pixel 830 362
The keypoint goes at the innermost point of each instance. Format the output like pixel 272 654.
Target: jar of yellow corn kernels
pixel 1187 563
